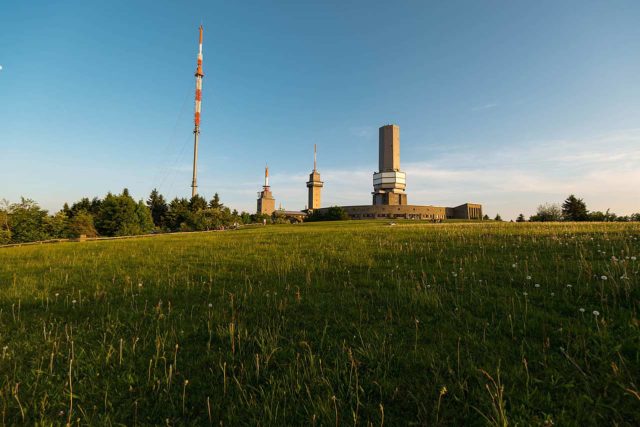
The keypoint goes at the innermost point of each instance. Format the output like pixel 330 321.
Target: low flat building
pixel 433 213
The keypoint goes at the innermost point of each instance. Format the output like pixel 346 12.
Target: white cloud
pixel 605 171
pixel 362 131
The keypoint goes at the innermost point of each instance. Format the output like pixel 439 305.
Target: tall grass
pixel 349 323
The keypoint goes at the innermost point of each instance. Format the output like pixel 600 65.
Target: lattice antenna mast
pixel 196 131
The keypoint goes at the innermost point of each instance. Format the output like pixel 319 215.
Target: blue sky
pixel 506 103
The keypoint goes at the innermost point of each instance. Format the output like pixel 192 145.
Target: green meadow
pixel 345 323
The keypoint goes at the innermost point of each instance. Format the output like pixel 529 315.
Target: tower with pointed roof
pixel 314 184
pixel 266 202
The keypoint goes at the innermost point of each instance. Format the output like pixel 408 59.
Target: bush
pixel 334 213
pixel 81 224
pixel 547 212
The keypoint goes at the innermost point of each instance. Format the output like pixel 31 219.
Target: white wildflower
pixel 603 277
pixel 596 313
pixel 581 310
pixel 210 305
pixel 528 277
pixel 537 285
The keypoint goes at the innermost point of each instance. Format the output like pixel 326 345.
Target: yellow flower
pixel 443 390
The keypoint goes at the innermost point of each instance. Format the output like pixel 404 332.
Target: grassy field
pixel 327 324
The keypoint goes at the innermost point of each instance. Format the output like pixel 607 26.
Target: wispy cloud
pixel 362 131
pixel 484 107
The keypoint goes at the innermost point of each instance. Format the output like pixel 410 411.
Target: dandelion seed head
pixel 528 277
pixel 537 285
pixel 596 313
pixel 603 277
pixel 581 310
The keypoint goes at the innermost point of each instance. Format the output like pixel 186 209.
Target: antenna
pixel 196 130
pixel 314 157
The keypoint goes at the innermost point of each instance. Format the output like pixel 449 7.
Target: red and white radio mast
pixel 196 131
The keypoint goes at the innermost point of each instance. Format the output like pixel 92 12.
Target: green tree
pixel 547 212
pixel 122 216
pixel 334 213
pixel 485 217
pixel 215 202
pixel 520 218
pixel 81 224
pixel 56 225
pixel 145 220
pixel 95 206
pixel 211 219
pixel 178 216
pixel 82 205
pixel 278 217
pixel 27 222
pixel 5 232
pixel 158 206
pixel 574 209
pixel 245 217
pixel 498 218
pixel 197 203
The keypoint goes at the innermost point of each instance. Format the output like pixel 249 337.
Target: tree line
pixel 117 215
pixel 574 209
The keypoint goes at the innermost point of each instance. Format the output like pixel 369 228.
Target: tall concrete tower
pixel 266 202
pixel 314 185
pixel 196 130
pixel 389 182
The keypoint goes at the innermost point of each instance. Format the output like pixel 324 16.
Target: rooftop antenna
pixel 315 157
